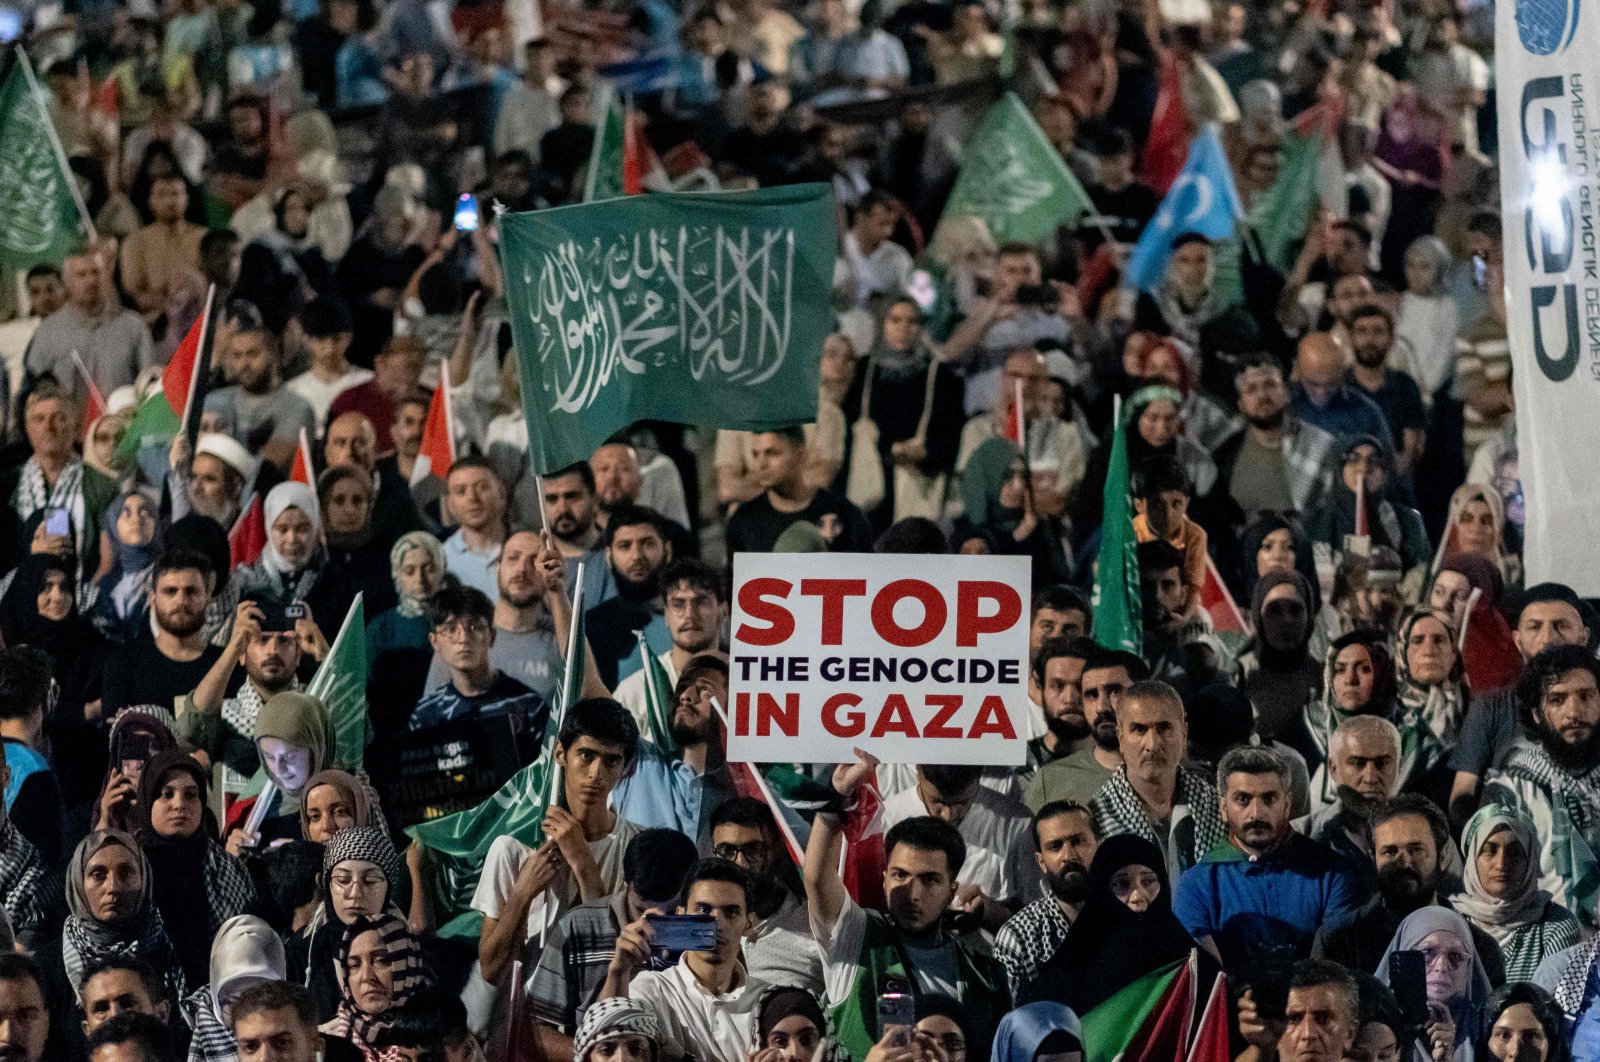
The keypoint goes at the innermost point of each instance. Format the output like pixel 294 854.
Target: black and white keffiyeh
pixel 1117 809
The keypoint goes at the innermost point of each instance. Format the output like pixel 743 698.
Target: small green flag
pixel 707 309
pixel 1281 215
pixel 153 422
pixel 1014 180
pixel 341 684
pixel 39 219
pixel 1110 1027
pixel 658 698
pixel 604 177
pixel 1117 622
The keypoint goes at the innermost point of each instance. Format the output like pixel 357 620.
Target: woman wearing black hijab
pixel 40 610
pixel 1125 930
pixel 194 882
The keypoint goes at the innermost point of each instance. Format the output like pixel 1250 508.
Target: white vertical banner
pixel 1546 76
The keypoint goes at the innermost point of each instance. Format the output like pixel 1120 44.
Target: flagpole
pixel 201 365
pixel 94 391
pixel 602 108
pixel 789 839
pixel 55 143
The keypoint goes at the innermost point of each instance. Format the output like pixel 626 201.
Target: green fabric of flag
pixel 1014 180
pixel 1281 215
pixel 38 218
pixel 1109 1028
pixel 1117 621
pixel 604 177
pixel 341 684
pixel 153 422
pixel 657 697
pixel 707 309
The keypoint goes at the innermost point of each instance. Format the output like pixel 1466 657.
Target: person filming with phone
pixel 269 643
pixel 707 1006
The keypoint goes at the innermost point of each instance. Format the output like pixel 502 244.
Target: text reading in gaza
pixel 763 600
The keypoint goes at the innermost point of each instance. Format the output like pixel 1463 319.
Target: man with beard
pixel 1555 780
pixel 1412 852
pixel 571 515
pixel 779 949
pixel 1107 674
pixel 1058 665
pixel 681 787
pixel 1268 886
pixel 1364 767
pixel 1277 462
pixel 1543 615
pixel 257 400
pixel 622 480
pixel 171 660
pixel 696 609
pixel 525 644
pixel 1064 844
pixel 1154 794
pixel 213 484
pixel 636 551
pixel 462 633
pixel 998 870
pixel 225 727
pixel 907 948
pixel 1320 397
pixel 1395 393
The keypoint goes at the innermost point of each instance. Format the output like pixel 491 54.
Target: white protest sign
pixel 915 659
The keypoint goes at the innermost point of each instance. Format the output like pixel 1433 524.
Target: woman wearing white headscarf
pixel 293 567
pixel 245 953
pixel 1502 895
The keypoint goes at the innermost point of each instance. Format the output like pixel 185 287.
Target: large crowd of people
pixel 1366 798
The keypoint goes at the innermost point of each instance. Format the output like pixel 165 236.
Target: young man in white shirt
pixel 707 1005
pixel 328 330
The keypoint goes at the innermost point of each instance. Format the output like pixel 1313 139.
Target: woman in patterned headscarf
pixel 111 912
pixel 361 878
pixel 1432 701
pixel 1502 895
pixel 380 965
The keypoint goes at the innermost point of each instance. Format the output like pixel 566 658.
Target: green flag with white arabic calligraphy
pixel 38 218
pixel 341 684
pixel 1014 180
pixel 707 309
pixel 1117 613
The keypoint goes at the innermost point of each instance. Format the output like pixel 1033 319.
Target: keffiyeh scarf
pixel 210 1040
pixel 33 494
pixel 1118 809
pixel 406 969
pixel 242 710
pixel 24 886
pixel 1579 797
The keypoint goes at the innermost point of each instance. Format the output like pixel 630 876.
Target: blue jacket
pixel 1253 908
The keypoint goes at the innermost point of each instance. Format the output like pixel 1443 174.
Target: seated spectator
pixel 294 739
pixel 1360 775
pixel 380 965
pixel 476 499
pixel 1462 988
pixel 121 985
pixel 111 911
pixel 565 985
pixel 696 611
pixel 276 1016
pixel 787 499
pixel 462 622
pixel 1502 895
pixel 258 399
pixel 636 553
pixel 1064 844
pixel 328 330
pixel 245 952
pixel 524 890
pixel 283 271
pixel 174 656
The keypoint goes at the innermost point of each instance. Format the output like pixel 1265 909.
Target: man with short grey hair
pixel 1362 773
pixel 1266 886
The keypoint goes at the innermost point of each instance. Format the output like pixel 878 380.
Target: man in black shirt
pixel 1122 204
pixel 1392 391
pixel 636 549
pixel 779 458
pixel 161 667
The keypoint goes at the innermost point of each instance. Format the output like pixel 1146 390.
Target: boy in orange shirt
pixel 1161 499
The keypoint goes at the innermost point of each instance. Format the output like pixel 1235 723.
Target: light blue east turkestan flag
pixel 1202 199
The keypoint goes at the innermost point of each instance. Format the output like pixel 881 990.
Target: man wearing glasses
pixel 463 632
pixel 780 948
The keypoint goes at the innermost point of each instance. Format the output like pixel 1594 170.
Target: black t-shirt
pixel 139 673
pixel 1124 211
pixel 755 525
pixel 1400 399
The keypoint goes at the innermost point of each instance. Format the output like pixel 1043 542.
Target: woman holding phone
pixel 1455 986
